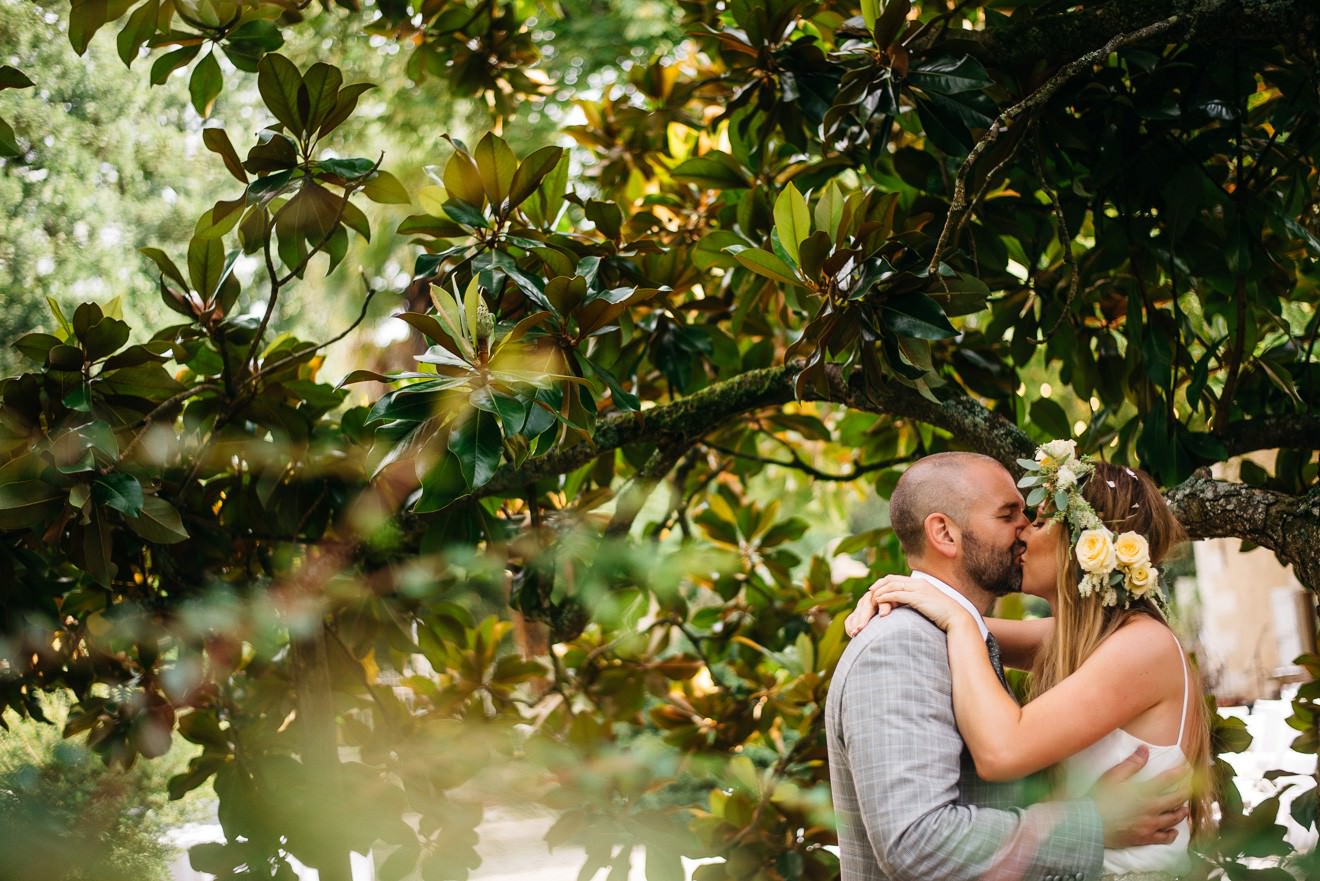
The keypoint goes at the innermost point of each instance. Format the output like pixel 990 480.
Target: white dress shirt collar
pixel 957 597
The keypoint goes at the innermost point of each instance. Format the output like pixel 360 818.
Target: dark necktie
pixel 992 646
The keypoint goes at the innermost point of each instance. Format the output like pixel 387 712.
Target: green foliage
pixel 62 812
pixel 91 180
pixel 462 576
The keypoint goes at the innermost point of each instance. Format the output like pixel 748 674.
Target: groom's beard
pixel 998 571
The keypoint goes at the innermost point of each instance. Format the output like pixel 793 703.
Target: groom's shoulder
pixel 901 633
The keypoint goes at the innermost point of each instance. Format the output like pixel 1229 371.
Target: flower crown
pixel 1117 568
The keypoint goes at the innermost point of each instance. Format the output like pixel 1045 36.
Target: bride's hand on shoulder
pixel 867 608
pixel 938 607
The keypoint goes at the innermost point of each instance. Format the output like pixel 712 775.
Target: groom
pixel 910 806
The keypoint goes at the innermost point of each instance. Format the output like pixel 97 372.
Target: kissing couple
pixel 929 747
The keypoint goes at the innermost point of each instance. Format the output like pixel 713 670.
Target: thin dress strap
pixel 1182 722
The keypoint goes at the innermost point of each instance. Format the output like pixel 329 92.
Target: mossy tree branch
pixel 1207 508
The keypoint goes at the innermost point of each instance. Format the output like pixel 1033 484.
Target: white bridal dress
pixel 1081 771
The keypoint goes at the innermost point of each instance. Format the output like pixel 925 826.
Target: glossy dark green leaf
pixel 890 23
pixel 606 216
pixel 475 442
pixel 13 78
pixel 356 220
pixel 321 85
pixel 278 81
pixel 246 44
pixel 86 17
pixel 118 491
pixel 205 84
pixel 497 165
pixel 166 64
pixel 218 142
pixel 140 28
pixel 944 128
pixel 36 346
pixel 917 315
pixel 463 213
pixel 349 169
pixel 149 381
pixel 206 263
pixel 766 264
pixel 272 152
pixel 531 172
pixel 310 214
pixel 949 76
pixel 97 549
pixel 714 170
pixel 105 338
pixel 1050 418
pixel 28 504
pixel 345 103
pixel 8 141
pixel 463 180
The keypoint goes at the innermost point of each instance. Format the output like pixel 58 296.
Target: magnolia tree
pixel 550 562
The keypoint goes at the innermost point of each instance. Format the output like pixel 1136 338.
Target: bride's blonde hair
pixel 1125 500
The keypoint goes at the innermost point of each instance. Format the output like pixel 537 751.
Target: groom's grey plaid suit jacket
pixel 910 806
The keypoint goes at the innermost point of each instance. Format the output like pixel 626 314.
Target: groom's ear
pixel 943 537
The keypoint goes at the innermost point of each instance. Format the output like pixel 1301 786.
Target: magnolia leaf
pixel 320 86
pixel 158 521
pixel 119 491
pixel 496 165
pixel 28 504
pixel 766 264
pixel 278 81
pixel 792 220
pixel 463 180
pixel 532 172
pixel 205 84
pixel 218 142
pixel 385 188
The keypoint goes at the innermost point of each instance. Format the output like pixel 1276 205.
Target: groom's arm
pixel 904 758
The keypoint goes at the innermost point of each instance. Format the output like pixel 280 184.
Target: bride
pixel 1108 675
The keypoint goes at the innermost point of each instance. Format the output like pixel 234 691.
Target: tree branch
pixel 1287 525
pixel 1207 508
pixel 1299 431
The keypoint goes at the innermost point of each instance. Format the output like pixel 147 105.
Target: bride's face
pixel 1040 563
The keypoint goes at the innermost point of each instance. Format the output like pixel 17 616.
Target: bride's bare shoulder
pixel 1143 637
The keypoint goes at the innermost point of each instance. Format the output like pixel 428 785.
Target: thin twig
pixel 145 422
pixel 277 281
pixel 798 464
pixel 1065 242
pixel 267 369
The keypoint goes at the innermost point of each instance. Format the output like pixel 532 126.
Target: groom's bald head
pixel 942 483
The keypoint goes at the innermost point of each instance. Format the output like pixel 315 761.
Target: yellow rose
pixel 1141 578
pixel 1095 551
pixel 1131 549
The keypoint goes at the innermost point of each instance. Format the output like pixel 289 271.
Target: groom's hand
pixel 1134 812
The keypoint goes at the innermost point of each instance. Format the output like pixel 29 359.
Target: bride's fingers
pixel 894 595
pixel 883 609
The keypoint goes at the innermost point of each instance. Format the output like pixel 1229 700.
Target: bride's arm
pixel 1020 641
pixel 1110 689
pixel 1008 741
